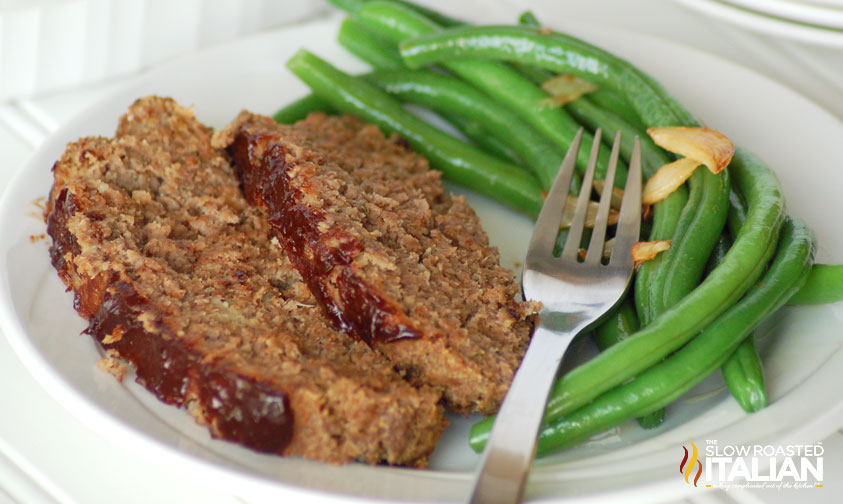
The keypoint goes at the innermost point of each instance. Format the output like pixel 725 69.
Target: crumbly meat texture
pixel 389 255
pixel 178 275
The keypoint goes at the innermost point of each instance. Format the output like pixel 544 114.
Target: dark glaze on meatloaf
pixel 178 275
pixel 391 257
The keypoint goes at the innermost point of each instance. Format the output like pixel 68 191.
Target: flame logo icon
pixel 689 468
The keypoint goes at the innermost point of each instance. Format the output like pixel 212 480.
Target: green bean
pixel 724 243
pixel 554 51
pixel 301 108
pixel 700 224
pixel 535 75
pixel 475 132
pixel 824 285
pixel 347 5
pixel 617 104
pixel 617 327
pixel 367 46
pixel 742 371
pixel 443 93
pixel 737 211
pixel 434 15
pixel 457 160
pixel 498 80
pixel 740 269
pixel 666 216
pixel 661 384
pixel 562 236
pixel 652 419
pixel 527 18
pixel 744 376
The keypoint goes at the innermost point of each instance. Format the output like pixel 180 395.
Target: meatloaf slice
pixel 178 275
pixel 391 257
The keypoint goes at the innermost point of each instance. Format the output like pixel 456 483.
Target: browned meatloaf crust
pixel 178 275
pixel 389 255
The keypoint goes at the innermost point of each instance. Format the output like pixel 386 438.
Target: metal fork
pixel 575 294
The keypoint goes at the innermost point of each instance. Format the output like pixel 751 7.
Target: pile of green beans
pixel 691 310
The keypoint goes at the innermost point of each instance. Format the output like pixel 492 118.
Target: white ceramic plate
pixel 767 24
pixel 801 349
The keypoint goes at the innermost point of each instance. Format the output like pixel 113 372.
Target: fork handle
pixel 512 443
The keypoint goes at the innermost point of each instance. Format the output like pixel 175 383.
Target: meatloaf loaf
pixel 178 275
pixel 387 253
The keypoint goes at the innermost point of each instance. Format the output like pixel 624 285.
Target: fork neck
pixel 569 321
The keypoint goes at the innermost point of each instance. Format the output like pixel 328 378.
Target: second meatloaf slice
pixel 388 254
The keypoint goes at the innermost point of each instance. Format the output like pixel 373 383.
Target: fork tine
pixel 550 217
pixel 572 244
pixel 598 234
pixel 629 221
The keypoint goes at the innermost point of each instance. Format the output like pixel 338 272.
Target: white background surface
pixel 46 455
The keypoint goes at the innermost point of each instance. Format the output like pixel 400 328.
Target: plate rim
pixel 818 15
pixel 763 23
